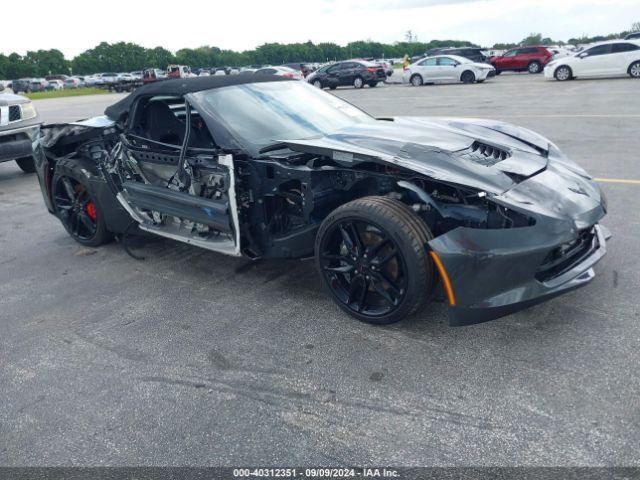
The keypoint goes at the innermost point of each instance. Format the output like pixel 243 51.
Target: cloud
pixel 249 23
pixel 409 4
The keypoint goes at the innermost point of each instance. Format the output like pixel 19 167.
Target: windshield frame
pixel 229 139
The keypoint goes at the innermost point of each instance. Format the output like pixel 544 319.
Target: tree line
pixel 126 57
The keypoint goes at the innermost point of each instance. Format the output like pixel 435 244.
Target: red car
pixel 531 59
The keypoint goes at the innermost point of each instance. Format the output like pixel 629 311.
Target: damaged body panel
pixel 389 207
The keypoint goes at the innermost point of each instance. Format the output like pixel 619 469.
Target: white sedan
pixel 446 68
pixel 603 59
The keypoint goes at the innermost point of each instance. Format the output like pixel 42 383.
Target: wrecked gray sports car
pixel 265 167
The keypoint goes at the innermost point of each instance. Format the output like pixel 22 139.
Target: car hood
pixel 535 176
pixel 446 149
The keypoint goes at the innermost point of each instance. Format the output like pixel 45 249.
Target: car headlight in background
pixel 28 111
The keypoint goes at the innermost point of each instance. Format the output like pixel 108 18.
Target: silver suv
pixel 19 128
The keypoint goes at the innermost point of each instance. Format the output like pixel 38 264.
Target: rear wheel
pixel 416 80
pixel 358 82
pixel 77 208
pixel 26 164
pixel 534 67
pixel 634 70
pixel 372 257
pixel 373 84
pixel 563 73
pixel 467 77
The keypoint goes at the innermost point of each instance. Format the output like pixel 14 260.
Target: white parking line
pixel 596 115
pixel 617 180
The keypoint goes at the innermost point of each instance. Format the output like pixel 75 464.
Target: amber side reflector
pixel 445 278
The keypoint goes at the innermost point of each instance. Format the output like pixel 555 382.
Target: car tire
pixel 416 80
pixel 333 87
pixel 634 70
pixel 317 84
pixel 358 82
pixel 26 164
pixel 76 206
pixel 467 77
pixel 373 84
pixel 498 72
pixel 534 68
pixel 396 279
pixel 479 81
pixel 563 73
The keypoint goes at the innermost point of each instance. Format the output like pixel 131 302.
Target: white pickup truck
pixel 19 129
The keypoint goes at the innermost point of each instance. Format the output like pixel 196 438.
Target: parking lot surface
pixel 193 358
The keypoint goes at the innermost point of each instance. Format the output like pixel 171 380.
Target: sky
pixel 245 24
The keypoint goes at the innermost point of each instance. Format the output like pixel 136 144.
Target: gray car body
pixel 17 138
pixel 492 272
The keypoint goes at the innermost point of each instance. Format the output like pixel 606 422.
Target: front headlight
pixel 28 111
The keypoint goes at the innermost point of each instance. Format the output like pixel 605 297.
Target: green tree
pixel 46 62
pixel 532 39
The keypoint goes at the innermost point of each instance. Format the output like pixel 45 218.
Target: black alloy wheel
pixel 78 211
pixel 372 257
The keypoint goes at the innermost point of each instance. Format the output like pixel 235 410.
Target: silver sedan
pixel 446 68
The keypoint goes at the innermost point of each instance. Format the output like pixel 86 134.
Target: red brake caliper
pixel 91 211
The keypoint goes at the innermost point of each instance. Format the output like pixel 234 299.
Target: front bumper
pixel 484 73
pixel 549 71
pixel 17 142
pixel 493 272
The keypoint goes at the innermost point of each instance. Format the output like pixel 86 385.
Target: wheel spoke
pixel 340 269
pixel 344 258
pixel 346 238
pixel 62 203
pixel 357 293
pixel 68 187
pixel 86 221
pixel 75 223
pixel 392 285
pixel 356 237
pixel 352 290
pixel 373 250
pixel 377 286
pixel 362 296
pixel 388 256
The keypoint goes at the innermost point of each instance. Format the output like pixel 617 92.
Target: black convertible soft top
pixel 181 86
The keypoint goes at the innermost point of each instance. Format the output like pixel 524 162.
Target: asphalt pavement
pixel 193 358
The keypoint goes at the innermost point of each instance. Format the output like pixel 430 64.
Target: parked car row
pixel 602 59
pixel 460 64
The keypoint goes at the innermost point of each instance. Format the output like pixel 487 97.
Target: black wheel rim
pixel 364 267
pixel 75 208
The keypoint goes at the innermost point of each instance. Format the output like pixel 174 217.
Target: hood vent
pixel 485 154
